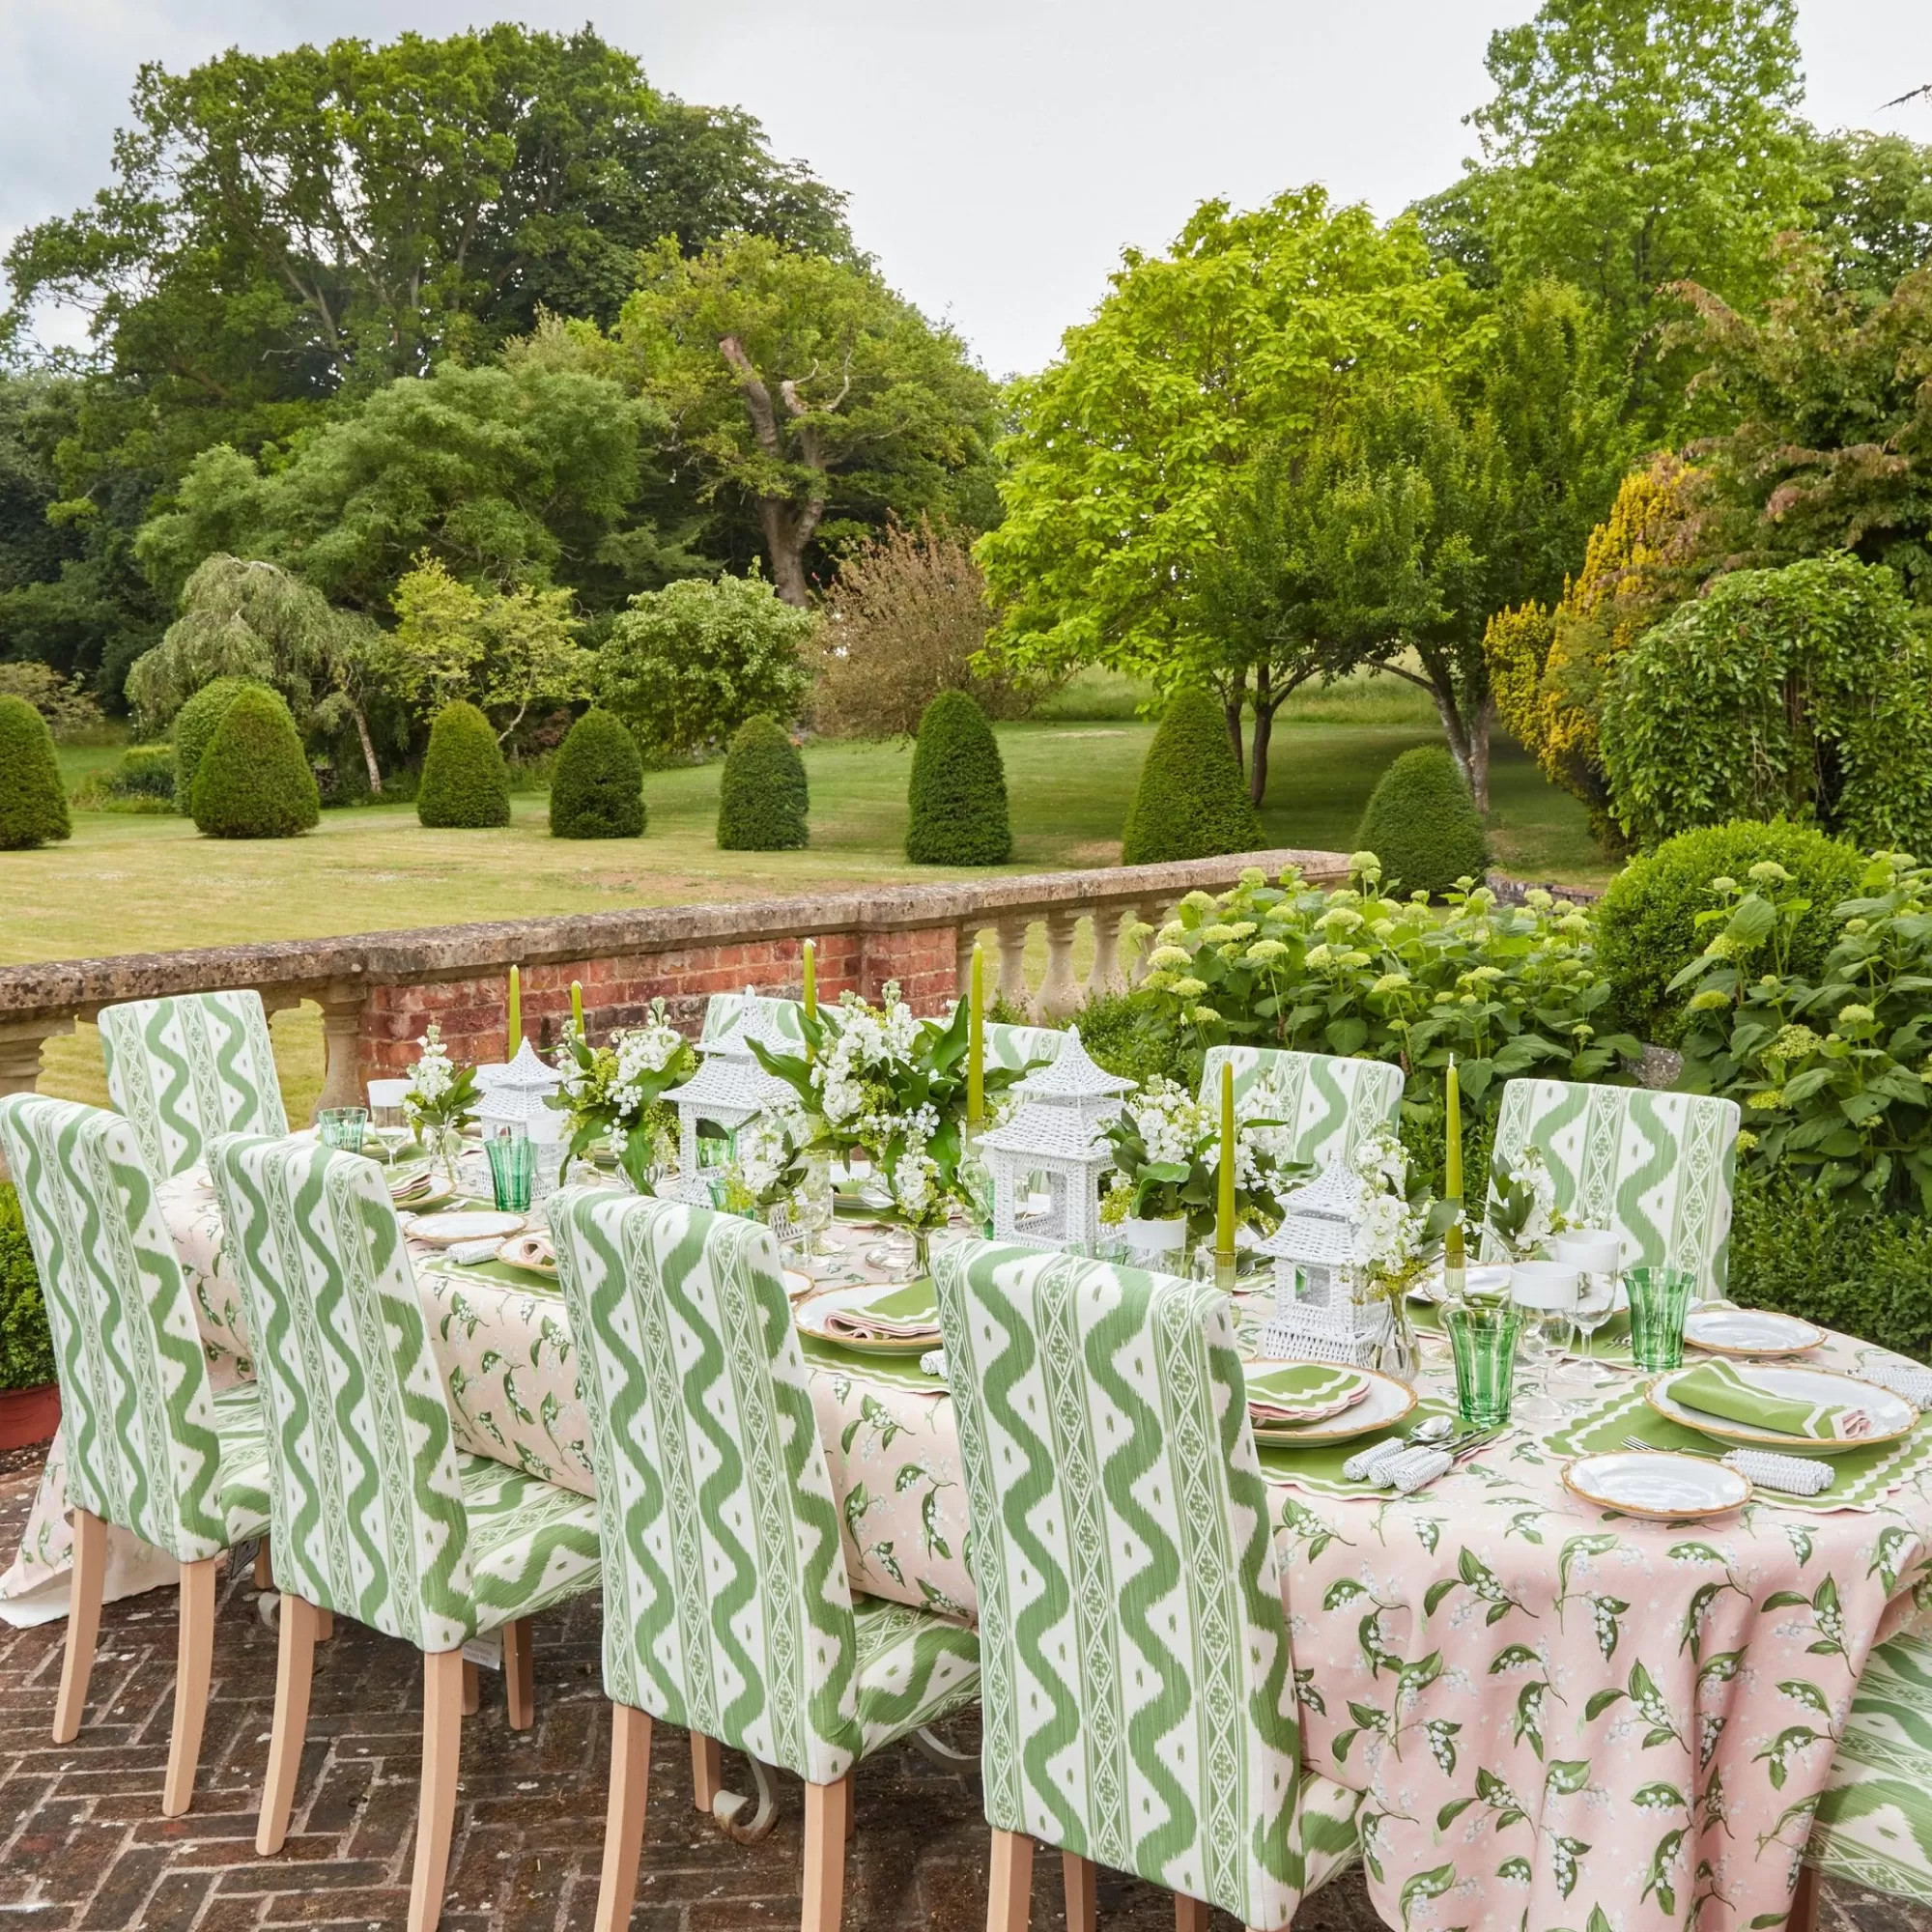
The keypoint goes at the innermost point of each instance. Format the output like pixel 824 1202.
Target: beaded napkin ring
pixel 1796 1475
pixel 1416 1468
pixel 1368 1466
pixel 934 1363
pixel 1906 1378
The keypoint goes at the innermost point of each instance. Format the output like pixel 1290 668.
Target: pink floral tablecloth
pixel 1561 1719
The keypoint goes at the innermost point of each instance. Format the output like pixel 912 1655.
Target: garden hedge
pixel 762 799
pixel 597 787
pixel 1423 825
pixel 1647 919
pixel 958 790
pixel 26 1347
pixel 464 782
pixel 193 727
pixel 33 801
pixel 1191 802
pixel 253 781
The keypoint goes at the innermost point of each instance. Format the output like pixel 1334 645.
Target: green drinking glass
pixel 341 1127
pixel 513 1167
pixel 1483 1338
pixel 1659 1297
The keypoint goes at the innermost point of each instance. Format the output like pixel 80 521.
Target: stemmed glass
pixel 389 1122
pixel 1547 1293
pixel 1598 1256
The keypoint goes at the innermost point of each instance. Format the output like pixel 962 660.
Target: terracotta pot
pixel 29 1416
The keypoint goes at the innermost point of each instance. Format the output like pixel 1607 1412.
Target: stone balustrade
pixel 378 990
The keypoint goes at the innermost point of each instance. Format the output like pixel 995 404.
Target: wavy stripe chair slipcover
pixel 187 1068
pixel 376 1514
pixel 1138 1689
pixel 1330 1103
pixel 1655 1168
pixel 726 1604
pixel 149 1446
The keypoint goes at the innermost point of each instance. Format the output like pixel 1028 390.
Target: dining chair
pixel 722 1012
pixel 727 1608
pixel 1873 1824
pixel 1330 1103
pixel 1139 1702
pixel 376 1513
pixel 186 1069
pixel 1657 1169
pixel 151 1448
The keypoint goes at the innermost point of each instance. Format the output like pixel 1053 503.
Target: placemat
pixel 899 1372
pixel 1319 1470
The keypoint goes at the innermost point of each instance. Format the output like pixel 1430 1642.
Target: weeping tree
pixel 245 618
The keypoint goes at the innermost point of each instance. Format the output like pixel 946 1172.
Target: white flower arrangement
pixel 1522 1213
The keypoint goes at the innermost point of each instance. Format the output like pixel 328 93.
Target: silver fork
pixel 1706 1455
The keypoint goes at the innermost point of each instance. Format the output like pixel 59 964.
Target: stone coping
pixel 296 966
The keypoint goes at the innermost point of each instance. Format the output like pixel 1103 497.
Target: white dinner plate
pixel 1657 1484
pixel 798 1284
pixel 1892 1415
pixel 1749 1332
pixel 1387 1401
pixel 466 1224
pixel 810 1320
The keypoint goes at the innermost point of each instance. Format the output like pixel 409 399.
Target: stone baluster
pixel 1013 931
pixel 1154 913
pixel 1106 976
pixel 20 1043
pixel 342 1001
pixel 1059 993
pixel 962 962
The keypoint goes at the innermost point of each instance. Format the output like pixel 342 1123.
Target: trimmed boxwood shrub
pixel 958 790
pixel 145 771
pixel 26 1347
pixel 761 798
pixel 1647 919
pixel 1191 802
pixel 1423 825
pixel 194 728
pixel 597 787
pixel 33 801
pixel 465 781
pixel 253 781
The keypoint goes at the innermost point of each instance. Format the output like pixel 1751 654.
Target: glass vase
pixel 1396 1353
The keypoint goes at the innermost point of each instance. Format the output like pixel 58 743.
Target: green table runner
pixel 1319 1470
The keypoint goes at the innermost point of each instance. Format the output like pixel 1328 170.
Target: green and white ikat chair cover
pixel 377 1514
pixel 1138 1688
pixel 726 1604
pixel 1655 1168
pixel 1331 1103
pixel 188 1069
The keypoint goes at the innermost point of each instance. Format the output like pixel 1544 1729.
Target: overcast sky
pixel 998 154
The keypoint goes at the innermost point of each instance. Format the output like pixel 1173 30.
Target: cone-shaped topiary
pixel 596 790
pixel 194 728
pixel 761 798
pixel 1423 825
pixel 253 781
pixel 465 781
pixel 1192 802
pixel 33 801
pixel 958 791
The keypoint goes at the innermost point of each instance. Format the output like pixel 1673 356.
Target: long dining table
pixel 1557 1715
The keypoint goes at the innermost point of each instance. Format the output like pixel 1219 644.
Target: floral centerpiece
pixel 771 1164
pixel 442 1099
pixel 1399 1231
pixel 1522 1213
pixel 1167 1164
pixel 614 1095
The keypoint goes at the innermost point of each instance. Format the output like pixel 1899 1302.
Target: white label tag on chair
pixel 486 1650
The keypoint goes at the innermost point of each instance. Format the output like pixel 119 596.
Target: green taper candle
pixel 976 1042
pixel 577 1007
pixel 1454 1250
pixel 515 1029
pixel 1224 1215
pixel 810 981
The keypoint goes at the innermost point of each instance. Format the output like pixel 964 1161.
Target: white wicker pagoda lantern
pixel 515 1097
pixel 1316 1312
pixel 728 1088
pixel 1055 1133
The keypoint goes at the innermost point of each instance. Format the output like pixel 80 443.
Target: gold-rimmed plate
pixel 1723 1330
pixel 1892 1415
pixel 1657 1484
pixel 1387 1403
pixel 810 1319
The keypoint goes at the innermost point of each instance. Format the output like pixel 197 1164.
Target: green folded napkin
pixel 1300 1389
pixel 897 1314
pixel 1720 1388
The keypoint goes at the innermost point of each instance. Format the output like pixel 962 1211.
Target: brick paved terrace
pixel 83 1844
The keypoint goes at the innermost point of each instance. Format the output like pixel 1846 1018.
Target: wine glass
pixel 1547 1293
pixel 1597 1254
pixel 389 1121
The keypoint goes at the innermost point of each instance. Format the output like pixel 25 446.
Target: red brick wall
pixel 617 992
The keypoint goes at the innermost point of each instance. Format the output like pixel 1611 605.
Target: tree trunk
pixel 1232 704
pixel 1258 765
pixel 373 770
pixel 787 531
pixel 1468 743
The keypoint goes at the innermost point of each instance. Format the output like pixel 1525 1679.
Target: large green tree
pixel 1875 220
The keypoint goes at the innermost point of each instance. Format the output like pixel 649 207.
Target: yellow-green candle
pixel 577 1007
pixel 810 981
pixel 976 1042
pixel 1224 1219
pixel 516 1026
pixel 1452 1175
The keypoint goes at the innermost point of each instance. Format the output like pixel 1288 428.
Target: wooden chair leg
pixel 83 1623
pixel 519 1674
pixel 1803 1914
pixel 294 1671
pixel 1010 1896
pixel 325 1624
pixel 707 1771
pixel 1077 1873
pixel 435 1809
pixel 472 1689
pixel 624 1816
pixel 1190 1914
pixel 265 1571
pixel 825 1807
pixel 194 1664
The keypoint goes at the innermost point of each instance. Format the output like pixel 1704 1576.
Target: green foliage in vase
pixel 1646 921
pixel 1794 693
pixel 1191 802
pixel 26 1345
pixel 254 781
pixel 1422 824
pixel 33 801
pixel 465 781
pixel 762 800
pixel 1832 1071
pixel 597 787
pixel 957 799
pixel 195 724
pixel 613 1095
